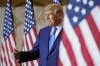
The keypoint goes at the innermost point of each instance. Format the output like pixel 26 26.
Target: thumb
pixel 15 50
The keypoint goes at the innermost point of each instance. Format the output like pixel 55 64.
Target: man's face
pixel 51 18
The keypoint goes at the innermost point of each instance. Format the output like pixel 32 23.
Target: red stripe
pixel 26 43
pixel 69 49
pixel 85 52
pixel 10 44
pixel 26 63
pixel 59 62
pixel 32 63
pixel 94 29
pixel 16 62
pixel 27 49
pixel 8 54
pixel 35 32
pixel 13 36
pixel 30 37
pixel 5 60
pixel 11 49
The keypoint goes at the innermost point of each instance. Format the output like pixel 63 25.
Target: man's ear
pixel 60 16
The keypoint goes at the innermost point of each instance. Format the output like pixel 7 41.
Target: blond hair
pixel 56 7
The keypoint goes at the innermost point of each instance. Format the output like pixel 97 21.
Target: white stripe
pixel 33 39
pixel 12 42
pixel 5 52
pixel 13 46
pixel 25 48
pixel 64 56
pixel 2 55
pixel 9 52
pixel 96 15
pixel 32 35
pixel 29 63
pixel 29 42
pixel 24 64
pixel 90 43
pixel 74 42
pixel 35 63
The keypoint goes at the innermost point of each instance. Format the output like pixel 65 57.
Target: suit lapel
pixel 47 41
pixel 57 41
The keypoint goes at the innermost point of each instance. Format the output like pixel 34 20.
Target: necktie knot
pixel 54 30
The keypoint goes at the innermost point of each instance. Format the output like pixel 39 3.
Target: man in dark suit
pixel 45 47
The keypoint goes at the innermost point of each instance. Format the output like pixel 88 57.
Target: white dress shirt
pixel 59 27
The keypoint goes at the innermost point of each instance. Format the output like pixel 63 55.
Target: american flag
pixel 8 41
pixel 29 31
pixel 80 44
pixel 57 1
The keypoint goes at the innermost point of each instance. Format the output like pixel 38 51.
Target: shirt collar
pixel 58 27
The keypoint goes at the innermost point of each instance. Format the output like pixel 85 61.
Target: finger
pixel 15 50
pixel 12 55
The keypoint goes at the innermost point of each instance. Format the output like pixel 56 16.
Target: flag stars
pixel 25 23
pixel 26 19
pixel 4 32
pixel 69 6
pixel 28 25
pixel 27 29
pixel 26 5
pixel 5 17
pixel 4 23
pixel 10 20
pixel 31 13
pixel 6 12
pixel 85 2
pixel 5 20
pixel 11 28
pixel 8 5
pixel 75 19
pixel 7 25
pixel 29 2
pixel 9 31
pixel 28 16
pixel 31 17
pixel 76 9
pixel 91 3
pixel 33 23
pixel 4 28
pixel 5 37
pixel 83 11
pixel 10 23
pixel 25 32
pixel 78 0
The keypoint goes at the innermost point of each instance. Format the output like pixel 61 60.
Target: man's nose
pixel 47 17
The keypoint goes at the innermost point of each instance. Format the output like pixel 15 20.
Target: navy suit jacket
pixel 41 49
